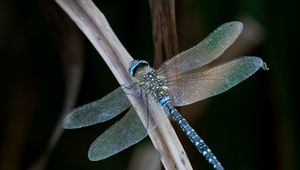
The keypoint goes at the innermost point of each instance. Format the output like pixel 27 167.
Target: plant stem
pixel 95 26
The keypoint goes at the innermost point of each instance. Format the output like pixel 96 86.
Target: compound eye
pixel 136 65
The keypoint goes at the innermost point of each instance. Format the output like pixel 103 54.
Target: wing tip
pixel 259 63
pixel 236 23
pixel 93 157
pixel 90 154
pixel 236 26
pixel 256 62
pixel 66 122
pixel 229 32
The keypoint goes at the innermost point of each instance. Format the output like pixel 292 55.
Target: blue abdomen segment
pixel 194 137
pixel 164 100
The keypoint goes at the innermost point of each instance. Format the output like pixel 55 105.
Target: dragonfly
pixel 182 80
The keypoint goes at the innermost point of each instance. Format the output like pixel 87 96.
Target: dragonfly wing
pixel 190 88
pixel 205 52
pixel 98 111
pixel 124 133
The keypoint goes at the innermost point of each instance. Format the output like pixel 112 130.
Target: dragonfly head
pixel 135 65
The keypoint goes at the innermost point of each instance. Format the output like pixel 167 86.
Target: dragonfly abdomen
pixel 154 85
pixel 194 137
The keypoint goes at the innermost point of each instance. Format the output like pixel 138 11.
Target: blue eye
pixel 135 64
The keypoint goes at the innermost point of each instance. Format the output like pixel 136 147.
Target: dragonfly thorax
pixel 148 79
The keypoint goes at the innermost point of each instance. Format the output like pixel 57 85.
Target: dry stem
pixel 95 26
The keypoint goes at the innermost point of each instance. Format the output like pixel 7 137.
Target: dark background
pixel 252 126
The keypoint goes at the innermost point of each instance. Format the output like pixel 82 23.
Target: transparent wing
pixel 189 88
pixel 203 53
pixel 98 111
pixel 124 133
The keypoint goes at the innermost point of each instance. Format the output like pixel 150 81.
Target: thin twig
pixel 95 26
pixel 164 30
pixel 70 45
pixel 164 33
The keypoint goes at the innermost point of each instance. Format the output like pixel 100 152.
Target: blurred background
pixel 46 64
